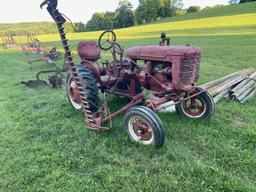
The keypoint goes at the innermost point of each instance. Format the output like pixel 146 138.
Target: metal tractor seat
pixel 89 52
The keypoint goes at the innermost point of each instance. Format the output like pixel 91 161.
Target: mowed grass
pixel 45 147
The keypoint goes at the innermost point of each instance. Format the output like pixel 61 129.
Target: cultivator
pixel 49 57
pixel 169 72
pixel 8 40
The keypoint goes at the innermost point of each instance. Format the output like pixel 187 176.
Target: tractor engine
pixel 161 71
pixel 173 67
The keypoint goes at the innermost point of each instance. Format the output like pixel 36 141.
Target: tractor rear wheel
pixel 144 126
pixel 200 107
pixel 89 84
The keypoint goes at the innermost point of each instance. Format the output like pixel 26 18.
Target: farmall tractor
pixel 169 72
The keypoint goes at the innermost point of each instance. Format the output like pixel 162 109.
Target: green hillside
pixel 45 147
pixel 235 9
pixel 241 17
pixel 30 27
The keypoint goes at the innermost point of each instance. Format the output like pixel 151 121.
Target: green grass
pixel 45 147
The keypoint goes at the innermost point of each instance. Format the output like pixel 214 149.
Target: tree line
pixel 124 16
pixel 240 1
pixel 146 12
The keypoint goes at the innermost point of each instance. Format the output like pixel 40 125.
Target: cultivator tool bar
pixel 60 20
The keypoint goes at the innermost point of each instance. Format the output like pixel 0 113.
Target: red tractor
pixel 169 72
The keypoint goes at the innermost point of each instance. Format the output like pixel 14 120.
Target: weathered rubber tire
pixel 208 103
pixel 151 118
pixel 89 84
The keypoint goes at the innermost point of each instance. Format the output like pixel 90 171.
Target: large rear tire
pixel 89 84
pixel 144 126
pixel 200 107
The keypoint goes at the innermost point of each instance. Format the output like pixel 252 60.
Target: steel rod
pixel 252 94
pixel 218 81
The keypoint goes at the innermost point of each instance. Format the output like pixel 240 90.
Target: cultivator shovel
pixel 55 80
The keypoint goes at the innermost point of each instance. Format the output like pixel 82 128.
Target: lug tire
pixel 148 117
pixel 89 84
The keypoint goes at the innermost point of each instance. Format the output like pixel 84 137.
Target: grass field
pixel 45 147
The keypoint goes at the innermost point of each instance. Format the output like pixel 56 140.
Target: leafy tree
pixel 100 21
pixel 96 22
pixel 169 8
pixel 246 1
pixel 192 9
pixel 165 8
pixel 147 11
pixel 79 27
pixel 123 15
pixel 234 1
pixel 108 20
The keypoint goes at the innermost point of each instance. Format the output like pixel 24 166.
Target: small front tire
pixel 144 126
pixel 200 107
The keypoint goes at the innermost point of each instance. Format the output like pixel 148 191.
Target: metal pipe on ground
pixel 241 84
pixel 226 85
pixel 247 92
pixel 252 94
pixel 250 84
pixel 218 81
pixel 220 95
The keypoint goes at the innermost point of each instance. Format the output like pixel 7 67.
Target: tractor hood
pixel 162 53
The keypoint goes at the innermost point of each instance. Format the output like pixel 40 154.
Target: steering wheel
pixel 107 40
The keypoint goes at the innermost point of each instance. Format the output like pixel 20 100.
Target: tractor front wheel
pixel 90 88
pixel 200 107
pixel 144 126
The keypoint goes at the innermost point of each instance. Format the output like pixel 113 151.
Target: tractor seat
pixel 108 81
pixel 88 50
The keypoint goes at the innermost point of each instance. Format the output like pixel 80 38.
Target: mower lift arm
pixel 60 20
pixel 52 9
pixel 51 3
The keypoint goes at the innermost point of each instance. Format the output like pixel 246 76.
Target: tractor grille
pixel 189 71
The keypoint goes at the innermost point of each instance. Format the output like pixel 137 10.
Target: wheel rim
pixel 194 107
pixel 140 130
pixel 73 94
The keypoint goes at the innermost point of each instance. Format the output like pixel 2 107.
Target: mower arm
pixel 53 11
pixel 52 3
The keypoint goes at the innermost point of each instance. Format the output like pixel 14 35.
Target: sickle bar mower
pixel 169 72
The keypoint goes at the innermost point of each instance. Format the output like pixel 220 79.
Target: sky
pixel 12 11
